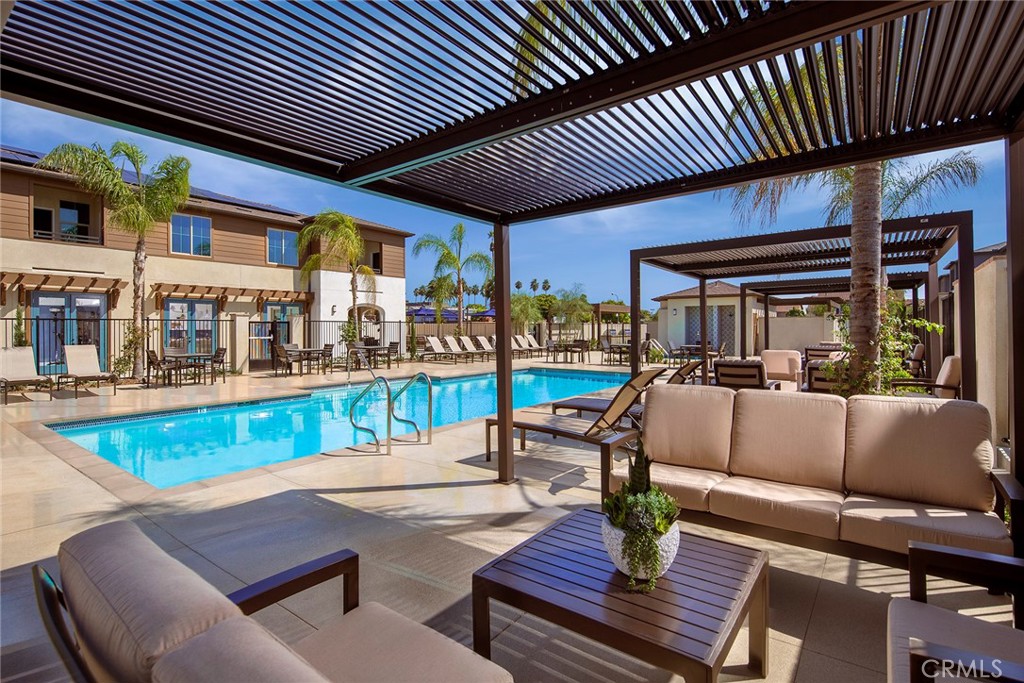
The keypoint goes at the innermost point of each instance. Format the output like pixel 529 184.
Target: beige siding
pixel 15 193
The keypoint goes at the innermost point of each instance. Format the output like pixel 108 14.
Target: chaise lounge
pixel 18 368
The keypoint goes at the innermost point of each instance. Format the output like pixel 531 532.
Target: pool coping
pixel 132 490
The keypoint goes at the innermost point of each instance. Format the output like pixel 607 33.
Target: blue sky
pixel 591 249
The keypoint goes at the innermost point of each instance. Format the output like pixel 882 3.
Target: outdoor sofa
pixel 139 615
pixel 861 477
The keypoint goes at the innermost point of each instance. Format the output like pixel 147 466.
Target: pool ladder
pixel 391 398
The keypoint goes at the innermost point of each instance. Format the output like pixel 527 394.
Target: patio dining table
pixel 570 349
pixel 185 357
pixel 373 354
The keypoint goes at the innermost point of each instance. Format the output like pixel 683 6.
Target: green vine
pixel 134 339
pixel 645 513
pixel 897 336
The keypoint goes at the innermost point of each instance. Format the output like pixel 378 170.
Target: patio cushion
pixel 372 643
pixel 920 449
pixel 687 485
pixel 237 649
pixel 783 506
pixel 782 365
pixel 891 524
pixel 689 425
pixel 792 438
pixel 910 619
pixel 131 602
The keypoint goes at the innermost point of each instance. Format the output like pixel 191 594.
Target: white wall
pixel 672 328
pixel 797 333
pixel 332 290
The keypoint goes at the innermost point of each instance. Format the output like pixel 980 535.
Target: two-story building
pixel 218 258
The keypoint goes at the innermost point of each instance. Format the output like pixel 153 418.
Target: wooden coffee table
pixel 686 625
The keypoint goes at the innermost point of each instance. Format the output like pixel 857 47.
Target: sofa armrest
pixel 275 588
pixel 997 572
pixel 925 384
pixel 1010 498
pixel 926 660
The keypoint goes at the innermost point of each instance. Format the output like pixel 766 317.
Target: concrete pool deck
pixel 422 520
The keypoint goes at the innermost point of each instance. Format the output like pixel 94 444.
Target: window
pixel 190 235
pixel 42 223
pixel 372 256
pixel 281 247
pixel 74 219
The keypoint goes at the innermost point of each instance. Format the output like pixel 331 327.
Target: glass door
pixel 190 325
pixel 59 319
pixel 277 315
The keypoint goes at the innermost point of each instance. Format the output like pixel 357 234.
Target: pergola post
pixel 916 306
pixel 634 314
pixel 705 367
pixel 968 341
pixel 503 353
pixel 1015 284
pixel 767 308
pixel 743 322
pixel 931 295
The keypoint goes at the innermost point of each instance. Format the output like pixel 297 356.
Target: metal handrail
pixel 430 406
pixel 352 412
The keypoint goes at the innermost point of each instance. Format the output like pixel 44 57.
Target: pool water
pixel 178 447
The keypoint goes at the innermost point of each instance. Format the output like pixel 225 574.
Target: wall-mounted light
pixel 334 309
pixel 675 311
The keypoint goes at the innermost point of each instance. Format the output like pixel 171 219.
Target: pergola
pixel 766 289
pixel 905 241
pixel 516 111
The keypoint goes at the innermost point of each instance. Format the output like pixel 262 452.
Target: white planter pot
pixel 668 546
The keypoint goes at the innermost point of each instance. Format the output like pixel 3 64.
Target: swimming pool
pixel 177 447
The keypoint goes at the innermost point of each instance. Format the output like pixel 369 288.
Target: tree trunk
pixel 865 276
pixel 458 297
pixel 354 316
pixel 138 301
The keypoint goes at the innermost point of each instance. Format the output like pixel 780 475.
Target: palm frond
pixel 91 168
pixel 917 188
pixel 478 261
pixel 167 188
pixel 337 238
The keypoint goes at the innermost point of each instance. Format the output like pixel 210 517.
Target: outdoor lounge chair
pixel 457 351
pixel 518 350
pixel 782 365
pixel 83 362
pixel 743 374
pixel 127 611
pixel 919 632
pixel 915 361
pixel 18 368
pixel 686 373
pixel 945 385
pixel 485 344
pixel 471 347
pixel 434 350
pixel 817 380
pixel 601 431
pixel 534 344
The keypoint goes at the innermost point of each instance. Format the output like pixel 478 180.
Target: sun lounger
pixel 435 350
pixel 83 361
pixel 457 351
pixel 517 348
pixel 18 368
pixel 534 344
pixel 485 344
pixel 471 347
pixel 526 346
pixel 598 405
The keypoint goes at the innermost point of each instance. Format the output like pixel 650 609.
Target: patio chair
pixel 327 358
pixel 83 363
pixel 582 404
pixel 743 374
pixel 161 368
pixel 18 368
pixel 606 431
pixel 485 344
pixel 822 352
pixel 923 637
pixel 945 385
pixel 519 343
pixel 534 344
pixel 395 353
pixel 283 360
pixel 457 351
pixel 219 362
pixel 915 361
pixel 518 350
pixel 471 347
pixel 817 380
pixel 782 365
pixel 128 611
pixel 607 351
pixel 436 351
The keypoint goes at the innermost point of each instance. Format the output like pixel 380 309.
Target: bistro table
pixel 374 353
pixel 570 349
pixel 190 360
pixel 308 355
pixel 687 624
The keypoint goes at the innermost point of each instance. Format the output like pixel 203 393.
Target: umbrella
pixel 489 313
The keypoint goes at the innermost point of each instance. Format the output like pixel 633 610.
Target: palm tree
pixel 572 305
pixel 338 243
pixel 864 195
pixel 519 285
pixel 451 262
pixel 524 311
pixel 441 291
pixel 134 207
pixel 545 286
pixel 534 286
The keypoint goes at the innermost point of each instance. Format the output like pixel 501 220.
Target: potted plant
pixel 639 526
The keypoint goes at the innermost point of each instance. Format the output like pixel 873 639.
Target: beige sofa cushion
pixel 920 449
pixel 910 619
pixel 783 506
pixel 237 649
pixel 689 425
pixel 687 485
pixel 131 602
pixel 372 644
pixel 793 438
pixel 892 524
pixel 782 365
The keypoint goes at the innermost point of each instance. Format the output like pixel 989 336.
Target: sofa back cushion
pixel 237 649
pixel 923 450
pixel 688 425
pixel 130 602
pixel 782 365
pixel 789 437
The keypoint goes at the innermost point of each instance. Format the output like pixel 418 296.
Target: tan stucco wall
pixel 672 328
pixel 797 333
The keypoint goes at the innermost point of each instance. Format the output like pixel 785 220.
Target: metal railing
pixel 360 428
pixel 430 407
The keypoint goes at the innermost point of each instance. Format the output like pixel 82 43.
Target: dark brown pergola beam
pixel 777 270
pixel 829 284
pixel 793 27
pixel 1015 285
pixel 934 252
